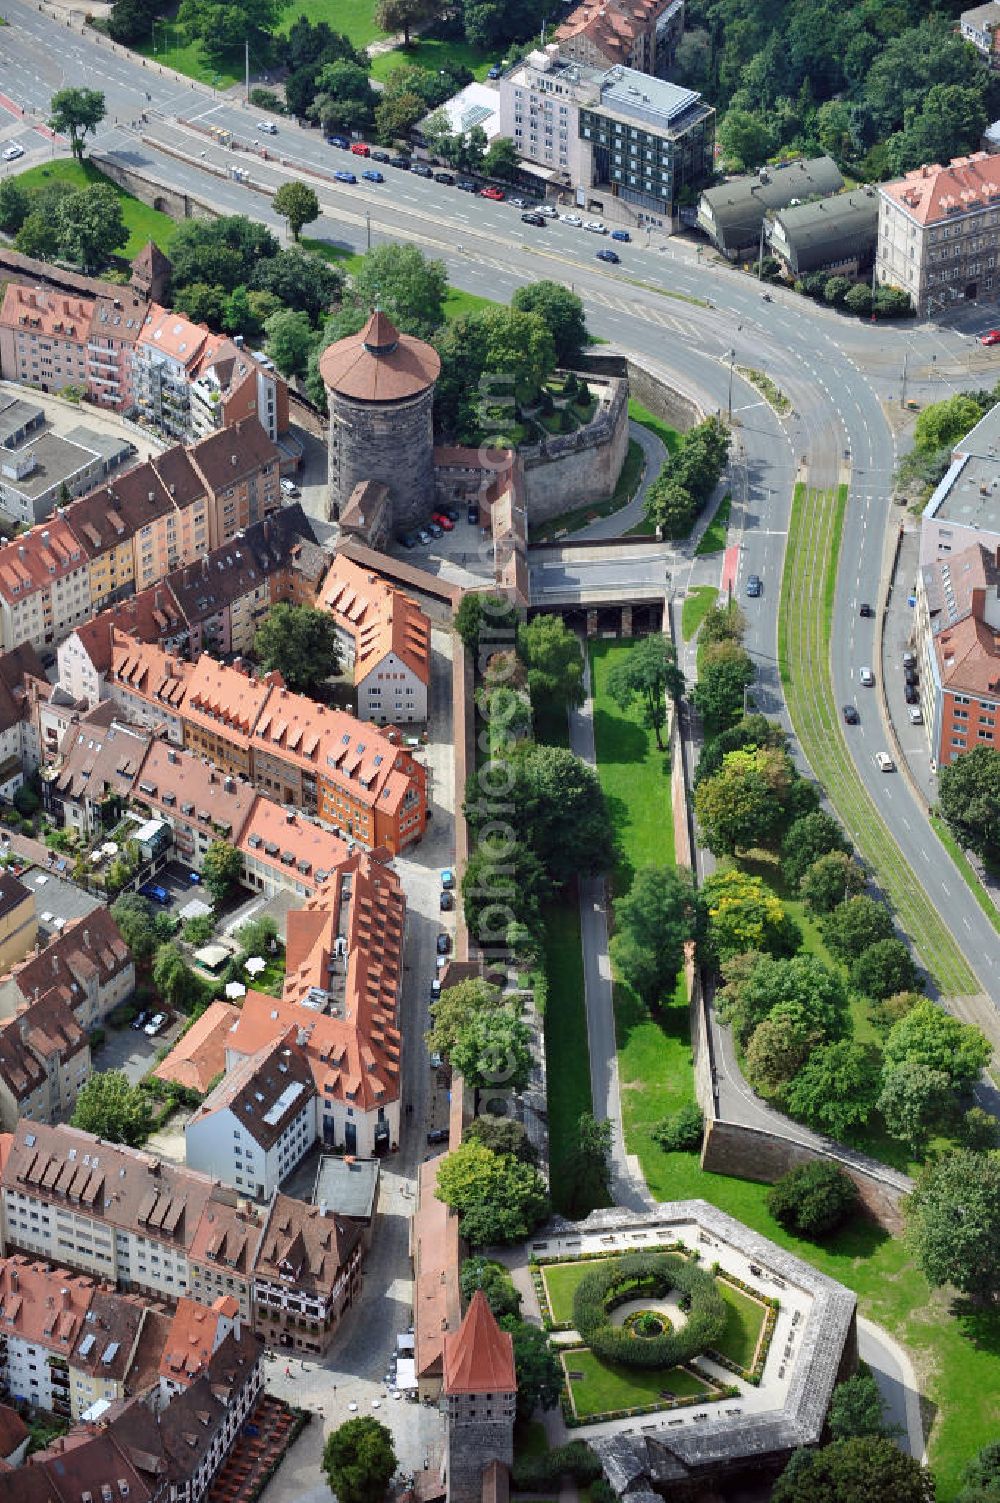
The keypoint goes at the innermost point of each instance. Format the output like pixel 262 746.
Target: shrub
pixel 544 1473
pixel 682 1130
pixel 813 1199
pixel 640 1274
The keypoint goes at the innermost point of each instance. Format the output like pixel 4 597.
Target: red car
pixel 495 193
pixel 361 149
pixel 445 523
pixel 993 337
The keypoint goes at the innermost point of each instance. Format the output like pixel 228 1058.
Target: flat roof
pixel 57 459
pixel 57 902
pixel 644 97
pixel 15 416
pixel 346 1186
pixel 969 494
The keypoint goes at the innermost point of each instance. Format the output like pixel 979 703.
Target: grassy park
pixel 143 222
pixel 604 1387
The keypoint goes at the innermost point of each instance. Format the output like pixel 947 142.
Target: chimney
pixel 13 1278
pixel 67 1302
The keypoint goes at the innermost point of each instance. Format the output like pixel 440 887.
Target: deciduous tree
pixel 301 643
pixel 837 1087
pixel 856 1408
pixel 954 1223
pixel 359 1460
pixel 297 203
pixel 854 1471
pixel 930 1036
pixel 495 1282
pixel 725 670
pixel 76 113
pixel 405 284
pixel 830 880
pixel 113 1109
pixel 90 225
pixel 222 868
pixel 654 921
pixel 560 310
pixel 753 992
pixel 554 661
pixel 806 840
pixel 744 804
pixel 969 794
pixel 915 1102
pixel 587 1166
pixel 744 915
pixel 856 924
pixel 812 1200
pixel 498 1198
pixel 538 1370
pixel 649 673
pixel 884 969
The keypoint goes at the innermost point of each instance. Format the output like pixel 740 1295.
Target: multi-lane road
pixel 843 377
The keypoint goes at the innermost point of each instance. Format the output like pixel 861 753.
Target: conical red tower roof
pixel 479 1357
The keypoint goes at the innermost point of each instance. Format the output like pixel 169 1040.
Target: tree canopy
pixel 297 203
pixel 112 1108
pixel 744 804
pixel 929 1035
pixel 359 1460
pixel 855 925
pixel 743 914
pixel 954 1222
pixel 856 1408
pixel 552 654
pixel 301 643
pixel 725 670
pixel 855 1470
pixel 969 796
pixel 802 982
pixel 90 225
pixel 222 868
pixel 537 1368
pixel 76 113
pixel 654 920
pixel 837 1087
pixel 808 839
pixel 813 1199
pixel 495 1282
pixel 499 1198
pixel 650 674
pixel 562 313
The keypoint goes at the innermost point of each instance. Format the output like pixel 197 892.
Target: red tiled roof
pixel 479 1357
pixel 934 194
pixel 379 364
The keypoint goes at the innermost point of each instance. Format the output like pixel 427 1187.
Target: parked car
pixel 495 71
pixel 549 210
pixel 141 1020
pixel 447 878
pixel 495 194
pixel 909 659
pixel 379 156
pixel 518 202
pixel 344 177
pixel 851 716
pixel 472 515
pixel 451 512
pixel 339 141
pixel 867 677
pixel 622 235
pixel 571 219
pixel 992 336
pixel 532 218
pixel 595 227
pixel 755 586
pixel 447 902
pixel 884 762
pixel 423 536
pixel 437 1135
pixel 435 989
pixel 910 676
pixel 435 530
pixel 916 715
pixel 436 1061
pixel 420 169
pixel 443 521
pixel 612 257
pixel 155 892
pixel 361 148
pixel 911 694
pixel 443 943
pixel 864 609
pixel 406 540
pixel 12 152
pixel 373 176
pixel 267 127
pixel 465 185
pixel 403 163
pixel 155 1024
pixel 448 178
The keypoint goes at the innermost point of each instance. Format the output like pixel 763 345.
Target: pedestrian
pixel 288 1371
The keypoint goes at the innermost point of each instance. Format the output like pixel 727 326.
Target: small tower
pixel 480 1389
pixel 151 272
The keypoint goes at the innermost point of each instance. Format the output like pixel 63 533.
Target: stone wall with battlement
pixel 574 469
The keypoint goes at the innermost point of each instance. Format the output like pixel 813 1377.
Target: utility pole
pixel 902 395
pixel 760 250
pixel 368 227
pixel 729 409
pixel 246 54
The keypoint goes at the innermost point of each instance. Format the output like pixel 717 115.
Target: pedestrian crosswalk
pixel 648 312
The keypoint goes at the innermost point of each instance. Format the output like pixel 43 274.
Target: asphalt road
pixel 841 375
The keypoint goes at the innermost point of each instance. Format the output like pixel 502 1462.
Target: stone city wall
pixel 156 195
pixel 573 469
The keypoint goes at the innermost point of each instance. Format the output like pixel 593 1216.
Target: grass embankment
pixel 804 623
pixel 433 54
pixel 713 539
pixel 671 438
pixel 697 604
pixel 143 222
pixel 968 871
pixel 456 304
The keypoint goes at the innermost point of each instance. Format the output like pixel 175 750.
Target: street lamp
pixel 368 227
pixel 730 356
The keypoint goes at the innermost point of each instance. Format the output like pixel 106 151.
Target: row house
pixel 18 919
pixel 90 780
pixel 199 804
pixel 85 656
pixel 44 1061
pixel 307 1275
pixel 44 586
pixel 384 639
pixel 149 685
pixel 20 670
pixel 284 853
pixel 957 639
pixel 44 337
pixel 88 966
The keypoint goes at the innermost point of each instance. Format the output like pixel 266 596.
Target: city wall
pixel 574 469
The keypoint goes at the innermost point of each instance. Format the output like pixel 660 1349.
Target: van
pixel 884 762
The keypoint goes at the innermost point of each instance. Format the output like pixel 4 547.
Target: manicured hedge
pixel 639 1275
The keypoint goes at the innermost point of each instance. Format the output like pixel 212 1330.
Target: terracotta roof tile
pixel 379 364
pixel 479 1357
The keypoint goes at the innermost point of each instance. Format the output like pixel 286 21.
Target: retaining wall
pixel 156 195
pixel 574 469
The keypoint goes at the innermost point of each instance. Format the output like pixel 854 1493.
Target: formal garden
pixel 651 1330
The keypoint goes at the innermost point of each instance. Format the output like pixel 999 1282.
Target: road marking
pixel 946 889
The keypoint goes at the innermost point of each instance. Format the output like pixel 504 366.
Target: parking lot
pixel 132 1050
pixel 463 556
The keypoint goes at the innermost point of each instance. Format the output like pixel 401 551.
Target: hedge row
pixel 642 1275
pixel 544 1473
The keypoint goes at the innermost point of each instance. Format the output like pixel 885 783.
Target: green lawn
pixel 339 255
pixel 434 54
pixel 744 1318
pixel 667 435
pixel 566 1046
pixel 561 1283
pixel 713 539
pixel 173 50
pixel 607 1386
pixel 143 223
pixel 697 604
pixel 964 865
pixel 458 303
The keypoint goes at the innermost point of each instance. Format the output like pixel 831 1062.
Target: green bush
pixel 544 1473
pixel 813 1199
pixel 682 1130
pixel 638 1275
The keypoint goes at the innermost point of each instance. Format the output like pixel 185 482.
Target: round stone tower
pixel 380 392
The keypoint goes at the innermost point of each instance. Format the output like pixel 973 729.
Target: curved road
pixel 662 302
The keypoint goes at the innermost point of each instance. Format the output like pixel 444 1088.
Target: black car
pixel 754 586
pixel 910 675
pixel 851 715
pixel 437 1135
pixel 472 516
pixel 407 540
pixel 419 170
pixel 466 185
pixel 403 163
pixel 448 178
pixel 447 902
pixel 443 944
pixel 379 156
pixel 537 219
pixel 865 609
pixel 911 694
pixel 612 257
pixel 451 512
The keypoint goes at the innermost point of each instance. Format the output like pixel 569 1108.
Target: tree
pixel 258 936
pixel 749 733
pixel 222 868
pixel 396 114
pixel 969 795
pixel 537 1368
pixel 519 346
pixel 650 674
pixel 221 252
pixel 856 1408
pixel 980 1129
pixel 134 916
pixel 129 21
pixel 174 979
pixel 654 921
pixel 743 915
pixel 981 1476
pixel 779 1046
pixel 493 1049
pixel 498 1198
pixel 298 204
pixel 486 622
pixel 359 1460
pixel 495 1282
pixel 954 1223
pixel 727 623
pixel 836 290
pixel 885 968
pixel 803 982
pixel 299 280
pixel 805 841
pixel 854 925
pixel 90 225
pixel 837 1087
pixel 345 99
pixel 813 1199
pixel 503 886
pixel 670 507
pixel 502 1135
pixel 830 880
pixel 949 122
pixel 76 113
pixel 854 1471
pixel 15 205
pixel 934 1038
pixel 682 1131
pixel 38 237
pixel 743 805
pixel 289 341
pixel 405 284
pixel 201 303
pixel 941 425
pixel 456 1009
pixel 554 660
pixel 223 25
pixel 112 1108
pixel 915 1102
pixel 859 299
pixel 400 15
pixel 587 1166
pixel 489 24
pixel 502 158
pixel 301 643
pixel 745 140
pixel 562 313
pixel 724 672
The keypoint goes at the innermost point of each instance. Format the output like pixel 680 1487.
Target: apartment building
pixel 240 466
pixel 957 638
pixel 385 642
pixel 85 656
pixel 286 854
pixel 199 804
pixel 308 1273
pixel 87 784
pixel 258 1123
pixel 88 966
pixel 115 325
pixel 44 337
pixel 44 1061
pixel 149 685
pixel 233 383
pixel 222 600
pixel 19 669
pixel 638 34
pixel 223 1251
pixel 18 920
pixel 965 507
pixel 44 586
pixel 981 27
pixel 939 232
pixel 219 710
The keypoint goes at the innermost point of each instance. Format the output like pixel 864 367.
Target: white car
pixel 155 1023
pixel 549 210
pixel 268 127
pixel 570 218
pixel 289 488
pixel 884 762
pixel 916 715
pixel 596 227
pixel 12 152
pixel 867 677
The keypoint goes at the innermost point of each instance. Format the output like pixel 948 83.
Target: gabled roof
pixel 263 1094
pixel 479 1357
pixel 935 194
pixel 88 950
pixel 100 755
pixel 299 1240
pixel 380 619
pixel 199 1055
pixel 234 453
